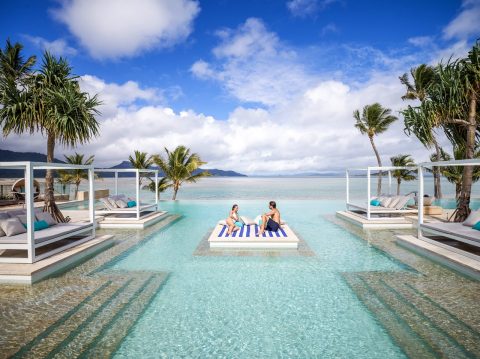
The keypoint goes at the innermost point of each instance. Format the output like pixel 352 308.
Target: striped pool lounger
pixel 250 231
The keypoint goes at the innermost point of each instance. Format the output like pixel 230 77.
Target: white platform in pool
pixel 245 238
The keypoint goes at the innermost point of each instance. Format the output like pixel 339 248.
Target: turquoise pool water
pixel 257 306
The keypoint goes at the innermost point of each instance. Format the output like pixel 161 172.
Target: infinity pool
pixel 257 306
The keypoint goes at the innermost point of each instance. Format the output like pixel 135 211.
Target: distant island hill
pixel 11 156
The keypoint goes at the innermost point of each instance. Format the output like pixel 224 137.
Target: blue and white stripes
pixel 251 231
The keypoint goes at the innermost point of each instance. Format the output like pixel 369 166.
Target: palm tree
pixel 179 166
pixel 454 174
pixel 141 160
pixel 374 120
pixel 402 174
pixel 454 100
pixel 51 103
pixel 423 128
pixel 77 175
pixel 64 179
pixel 163 185
pixel 13 68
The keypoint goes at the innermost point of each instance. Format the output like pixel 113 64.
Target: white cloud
pixel 314 131
pixel 303 8
pixel 254 65
pixel 421 41
pixel 329 28
pixel 112 28
pixel 115 96
pixel 57 47
pixel 467 22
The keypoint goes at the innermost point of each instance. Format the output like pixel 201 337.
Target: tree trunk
pixel 77 185
pixel 437 186
pixel 50 205
pixel 463 203
pixel 379 161
pixel 399 181
pixel 175 190
pixel 458 191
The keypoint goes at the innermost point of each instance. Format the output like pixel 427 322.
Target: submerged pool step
pixel 408 340
pixel 466 336
pixel 47 340
pixel 80 339
pixel 110 339
pixel 437 338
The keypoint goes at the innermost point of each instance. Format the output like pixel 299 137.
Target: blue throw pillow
pixel 476 226
pixel 131 204
pixel 39 225
pixel 375 202
pixel 239 224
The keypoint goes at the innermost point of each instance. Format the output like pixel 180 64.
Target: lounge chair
pixel 110 206
pixel 397 205
pixel 455 231
pixel 52 234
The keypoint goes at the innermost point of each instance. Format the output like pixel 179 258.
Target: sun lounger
pixel 399 207
pixel 109 208
pixel 455 231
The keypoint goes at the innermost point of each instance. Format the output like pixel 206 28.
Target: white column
pixel 30 211
pixel 420 200
pixel 91 198
pixel 116 183
pixel 368 193
pixel 389 182
pixel 347 177
pixel 137 185
pixel 156 188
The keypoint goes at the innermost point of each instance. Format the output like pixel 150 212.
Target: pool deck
pixel 454 258
pixel 33 272
pixel 121 221
pixel 250 241
pixel 375 223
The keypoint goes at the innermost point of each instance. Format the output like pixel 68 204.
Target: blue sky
pixel 229 77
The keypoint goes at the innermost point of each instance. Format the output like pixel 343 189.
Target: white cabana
pixel 367 208
pixel 455 231
pixel 139 208
pixel 32 241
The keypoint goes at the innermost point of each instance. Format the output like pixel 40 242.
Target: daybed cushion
pixel 386 202
pixel 393 203
pixel 121 203
pixel 402 202
pixel 23 218
pixel 16 212
pixel 457 229
pixel 112 202
pixel 46 234
pixel 12 226
pixel 472 219
pixel 47 217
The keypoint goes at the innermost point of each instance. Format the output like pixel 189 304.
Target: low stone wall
pixel 99 193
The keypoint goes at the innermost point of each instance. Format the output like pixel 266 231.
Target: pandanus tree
pixel 76 176
pixel 141 160
pixel 423 77
pixel 49 101
pixel 453 102
pixel 180 166
pixel 373 121
pixel 402 174
pixel 454 174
